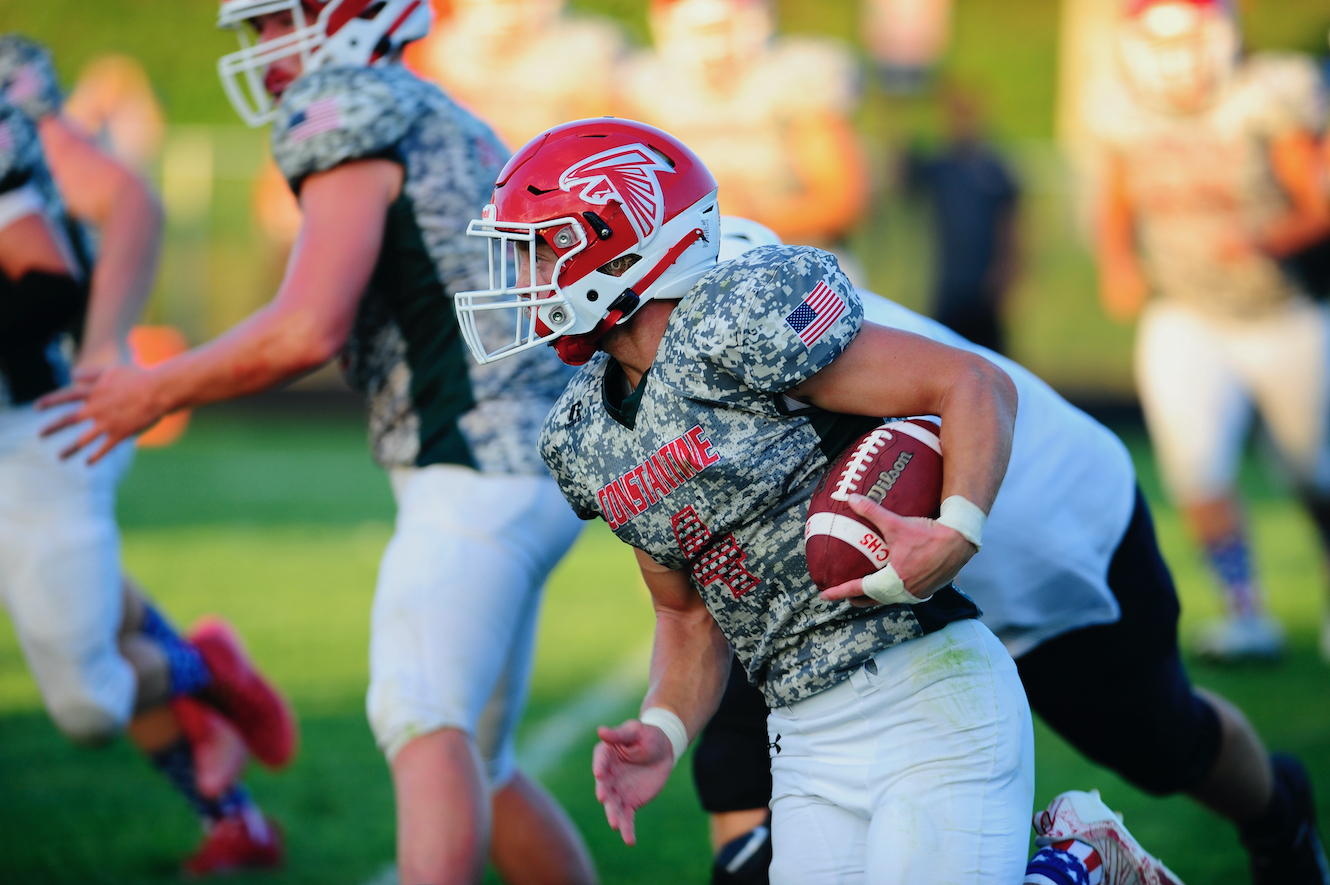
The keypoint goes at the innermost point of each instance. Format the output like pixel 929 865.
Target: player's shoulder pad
pixel 20 148
pixel 814 74
pixel 27 76
pixel 772 318
pixel 1284 91
pixel 334 115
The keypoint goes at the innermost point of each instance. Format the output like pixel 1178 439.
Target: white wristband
pixel 669 723
pixel 886 587
pixel 963 516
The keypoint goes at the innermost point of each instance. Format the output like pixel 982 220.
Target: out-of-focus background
pixel 272 512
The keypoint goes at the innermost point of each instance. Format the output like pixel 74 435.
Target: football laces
pixel 858 463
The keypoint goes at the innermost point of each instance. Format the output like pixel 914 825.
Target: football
pixel 898 465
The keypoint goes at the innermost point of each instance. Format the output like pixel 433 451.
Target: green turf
pixel 279 524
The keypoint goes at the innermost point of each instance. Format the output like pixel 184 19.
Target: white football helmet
pixel 327 32
pixel 738 235
pixel 1178 54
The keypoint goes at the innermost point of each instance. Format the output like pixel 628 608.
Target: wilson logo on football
pixel 627 175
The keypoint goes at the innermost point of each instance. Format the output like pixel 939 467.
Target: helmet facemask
pixel 345 32
pixel 575 306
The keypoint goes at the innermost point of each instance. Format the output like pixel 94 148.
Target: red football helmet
pixel 326 32
pixel 630 214
pixel 1178 54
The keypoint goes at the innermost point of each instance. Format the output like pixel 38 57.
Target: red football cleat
pixel 219 750
pixel 247 841
pixel 240 692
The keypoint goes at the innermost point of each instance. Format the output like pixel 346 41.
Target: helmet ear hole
pixel 617 267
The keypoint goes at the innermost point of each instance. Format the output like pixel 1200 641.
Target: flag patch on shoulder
pixel 320 116
pixel 815 314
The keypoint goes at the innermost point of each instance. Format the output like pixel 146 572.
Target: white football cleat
pixel 1233 639
pixel 1085 818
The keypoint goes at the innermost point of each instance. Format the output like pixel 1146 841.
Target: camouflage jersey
pixel 1202 184
pixel 429 402
pixel 707 466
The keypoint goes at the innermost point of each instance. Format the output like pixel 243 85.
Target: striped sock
pixel 176 763
pixel 188 672
pixel 1230 559
pixel 1064 863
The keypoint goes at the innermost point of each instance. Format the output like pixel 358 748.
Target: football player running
pixel 1212 177
pixel 710 400
pixel 770 116
pixel 104 657
pixel 388 170
pixel 1072 581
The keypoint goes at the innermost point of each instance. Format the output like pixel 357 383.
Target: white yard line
pixel 550 742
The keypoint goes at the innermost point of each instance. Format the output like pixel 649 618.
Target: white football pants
pixel 1199 378
pixel 60 576
pixel 918 770
pixel 453 625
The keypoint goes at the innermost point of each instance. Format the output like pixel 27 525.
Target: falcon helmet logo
pixel 627 175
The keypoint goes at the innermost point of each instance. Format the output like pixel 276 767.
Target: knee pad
pixel 745 860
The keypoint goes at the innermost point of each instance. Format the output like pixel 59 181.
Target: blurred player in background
pixel 1072 581
pixel 906 39
pixel 104 657
pixel 710 400
pixel 388 171
pixel 113 102
pixel 1212 176
pixel 520 65
pixel 770 116
pixel 975 201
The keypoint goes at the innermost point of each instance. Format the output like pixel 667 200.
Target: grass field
pixel 279 523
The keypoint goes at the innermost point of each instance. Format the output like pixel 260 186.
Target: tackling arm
pixel 101 191
pixel 304 326
pixel 689 665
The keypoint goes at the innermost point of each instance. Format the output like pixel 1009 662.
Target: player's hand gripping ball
pixel 898 465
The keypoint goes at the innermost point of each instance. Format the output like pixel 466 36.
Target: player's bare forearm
pixel 890 373
pixel 1296 163
pixel 306 324
pixel 690 658
pixel 1122 286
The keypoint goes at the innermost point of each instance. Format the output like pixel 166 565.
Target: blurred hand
pixel 1123 290
pixel 118 400
pixel 927 556
pixel 631 764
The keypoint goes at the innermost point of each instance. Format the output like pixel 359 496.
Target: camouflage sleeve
pixel 1290 94
pixel 776 316
pixel 336 115
pixel 20 150
pixel 27 77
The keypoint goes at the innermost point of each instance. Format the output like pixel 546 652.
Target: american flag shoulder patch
pixel 318 117
pixel 815 314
